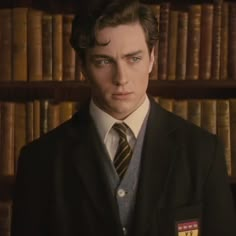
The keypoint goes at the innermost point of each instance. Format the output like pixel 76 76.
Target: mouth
pixel 121 95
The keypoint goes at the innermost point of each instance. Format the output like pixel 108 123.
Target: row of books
pixel 35 46
pixel 217 116
pixel 21 123
pixel 194 43
pixel 197 42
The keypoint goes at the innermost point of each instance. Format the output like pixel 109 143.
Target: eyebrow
pixel 109 57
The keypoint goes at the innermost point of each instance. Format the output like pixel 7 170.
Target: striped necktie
pixel 124 153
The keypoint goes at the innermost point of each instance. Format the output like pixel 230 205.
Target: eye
pixel 102 62
pixel 134 59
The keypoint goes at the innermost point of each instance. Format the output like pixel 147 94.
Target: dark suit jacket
pixel 62 190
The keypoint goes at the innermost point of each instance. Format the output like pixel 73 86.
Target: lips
pixel 122 95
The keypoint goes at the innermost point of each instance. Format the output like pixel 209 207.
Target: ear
pixel 152 58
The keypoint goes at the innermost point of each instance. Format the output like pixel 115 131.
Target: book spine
pixel 172 45
pixel 57 51
pixel 208 115
pixel 66 110
pixel 206 42
pixel 68 51
pixel 163 41
pixel 232 42
pixel 223 129
pixel 181 57
pixel 34 43
pixel 194 111
pixel 193 42
pixel 29 133
pixel 216 42
pixel 19 25
pixel 5 45
pixel 232 103
pixel 36 106
pixel 7 161
pixel 180 108
pixel 47 46
pixel 224 42
pixel 20 128
pixel 53 115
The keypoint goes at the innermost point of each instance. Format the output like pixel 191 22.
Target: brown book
pixel 180 108
pixel 47 46
pixel 5 45
pixel 57 51
pixel 163 40
pixel 223 129
pixel 34 43
pixel 216 42
pixel 232 110
pixel 53 115
pixel 6 108
pixel 194 111
pixel 36 119
pixel 154 73
pixel 29 132
pixel 208 115
pixel 43 117
pixel 232 41
pixel 166 103
pixel 66 110
pixel 193 42
pixel 7 161
pixel 5 218
pixel 19 53
pixel 224 42
pixel 181 57
pixel 68 51
pixel 20 128
pixel 172 45
pixel 206 41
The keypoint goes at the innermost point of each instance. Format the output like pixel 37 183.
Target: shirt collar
pixel 104 121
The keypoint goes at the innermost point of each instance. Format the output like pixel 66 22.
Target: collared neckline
pixel 104 121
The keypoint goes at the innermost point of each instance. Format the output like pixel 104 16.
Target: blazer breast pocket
pixel 180 221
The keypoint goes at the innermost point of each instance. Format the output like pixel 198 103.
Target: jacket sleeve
pixel 29 195
pixel 218 207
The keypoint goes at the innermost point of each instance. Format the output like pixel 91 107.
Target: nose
pixel 120 76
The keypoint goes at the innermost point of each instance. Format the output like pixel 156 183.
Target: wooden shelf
pixel 79 91
pixel 71 6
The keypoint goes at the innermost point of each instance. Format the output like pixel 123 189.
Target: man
pixel 122 165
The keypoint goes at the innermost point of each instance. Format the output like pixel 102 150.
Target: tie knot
pixel 120 128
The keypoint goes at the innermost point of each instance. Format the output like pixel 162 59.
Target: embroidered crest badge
pixel 187 228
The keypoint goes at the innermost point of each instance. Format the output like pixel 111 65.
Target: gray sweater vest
pixel 125 191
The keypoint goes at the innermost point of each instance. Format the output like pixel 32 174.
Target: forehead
pixel 121 39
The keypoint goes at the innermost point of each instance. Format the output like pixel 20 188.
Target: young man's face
pixel 119 71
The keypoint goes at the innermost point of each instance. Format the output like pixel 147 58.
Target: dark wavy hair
pixel 86 24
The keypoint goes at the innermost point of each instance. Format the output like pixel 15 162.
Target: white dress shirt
pixel 109 136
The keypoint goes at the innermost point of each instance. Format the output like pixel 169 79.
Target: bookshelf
pixel 79 91
pixel 59 91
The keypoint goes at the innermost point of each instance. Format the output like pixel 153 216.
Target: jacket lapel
pixel 157 160
pixel 87 156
